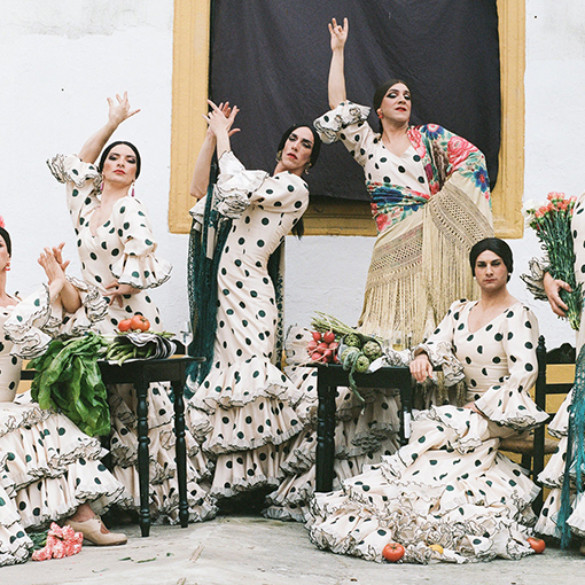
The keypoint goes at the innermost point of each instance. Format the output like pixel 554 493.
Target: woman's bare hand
pixel 552 288
pixel 116 292
pixel 119 109
pixel 338 34
pixel 51 265
pixel 421 368
pixel 230 113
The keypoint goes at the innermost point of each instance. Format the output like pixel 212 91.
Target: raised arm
pixel 336 82
pixel 119 110
pixel 200 180
pixel 59 286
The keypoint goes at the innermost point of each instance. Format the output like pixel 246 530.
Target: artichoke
pixel 362 363
pixel 372 350
pixel 348 356
pixel 352 340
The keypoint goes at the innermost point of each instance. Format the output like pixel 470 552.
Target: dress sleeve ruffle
pixel 234 186
pixel 71 169
pixel 330 125
pixel 35 321
pixel 509 402
pixel 82 180
pixel 534 280
pixel 137 266
pixel 197 212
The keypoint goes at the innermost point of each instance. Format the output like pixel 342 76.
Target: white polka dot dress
pixel 246 405
pixel 48 467
pixel 123 249
pixel 449 485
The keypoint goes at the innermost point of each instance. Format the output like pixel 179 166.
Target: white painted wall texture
pixel 60 59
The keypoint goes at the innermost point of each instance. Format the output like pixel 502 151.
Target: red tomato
pixel 124 325
pixel 393 552
pixel 329 337
pixel 537 544
pixel 140 323
pixel 316 336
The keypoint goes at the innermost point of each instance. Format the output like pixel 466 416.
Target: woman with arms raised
pixel 244 409
pixel 117 249
pixel 430 200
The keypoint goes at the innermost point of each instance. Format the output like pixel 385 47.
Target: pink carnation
pixel 458 149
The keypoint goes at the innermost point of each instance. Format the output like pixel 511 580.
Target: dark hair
pixel 6 238
pixel 496 246
pixel 383 89
pixel 117 143
pixel 316 141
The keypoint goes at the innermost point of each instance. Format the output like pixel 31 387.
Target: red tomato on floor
pixel 537 544
pixel 393 552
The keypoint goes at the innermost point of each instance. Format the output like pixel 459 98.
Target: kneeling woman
pixel 450 487
pixel 49 470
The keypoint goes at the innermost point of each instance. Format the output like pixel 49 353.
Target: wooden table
pixel 141 373
pixel 329 377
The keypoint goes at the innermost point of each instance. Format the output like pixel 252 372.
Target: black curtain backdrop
pixel 271 58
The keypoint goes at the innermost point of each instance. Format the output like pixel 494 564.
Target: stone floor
pixel 250 550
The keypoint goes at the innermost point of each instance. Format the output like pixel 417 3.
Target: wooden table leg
pixel 325 435
pixel 143 463
pixel 181 451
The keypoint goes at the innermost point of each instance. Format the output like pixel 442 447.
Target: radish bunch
pixel 323 347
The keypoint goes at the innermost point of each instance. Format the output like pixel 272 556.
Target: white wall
pixel 60 59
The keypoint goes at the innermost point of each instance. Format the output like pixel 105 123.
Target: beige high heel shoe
pixel 92 531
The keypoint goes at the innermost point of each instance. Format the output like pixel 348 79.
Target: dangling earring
pixel 380 115
pixel 132 191
pixel 7 267
pixel 279 156
pixel 307 168
pixel 102 186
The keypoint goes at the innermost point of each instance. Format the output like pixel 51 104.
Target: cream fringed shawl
pixel 420 264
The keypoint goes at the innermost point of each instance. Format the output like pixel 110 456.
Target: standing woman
pixel 117 249
pixel 430 201
pixel 563 513
pixel 244 408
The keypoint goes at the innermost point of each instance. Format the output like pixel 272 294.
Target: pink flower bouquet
pixel 552 224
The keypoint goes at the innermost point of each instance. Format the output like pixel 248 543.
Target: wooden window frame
pixel 337 217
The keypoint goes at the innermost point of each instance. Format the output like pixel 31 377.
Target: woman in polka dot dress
pixel 117 249
pixel 49 470
pixel 245 409
pixel 449 495
pixel 430 201
pixel 553 521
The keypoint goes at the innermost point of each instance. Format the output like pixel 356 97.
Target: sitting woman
pixel 49 470
pixel 449 494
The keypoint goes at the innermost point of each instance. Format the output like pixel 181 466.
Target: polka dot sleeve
pixel 439 345
pixel 134 261
pixel 81 179
pixel 282 193
pixel 347 122
pixel 508 402
pixel 35 321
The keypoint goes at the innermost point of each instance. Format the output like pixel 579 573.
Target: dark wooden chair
pixel 536 445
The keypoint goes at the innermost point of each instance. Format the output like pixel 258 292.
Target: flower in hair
pixel 2 224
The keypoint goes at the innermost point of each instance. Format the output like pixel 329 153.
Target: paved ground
pixel 240 550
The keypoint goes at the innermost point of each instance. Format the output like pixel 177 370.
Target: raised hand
pixel 53 268
pixel 58 254
pixel 221 118
pixel 119 109
pixel 338 34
